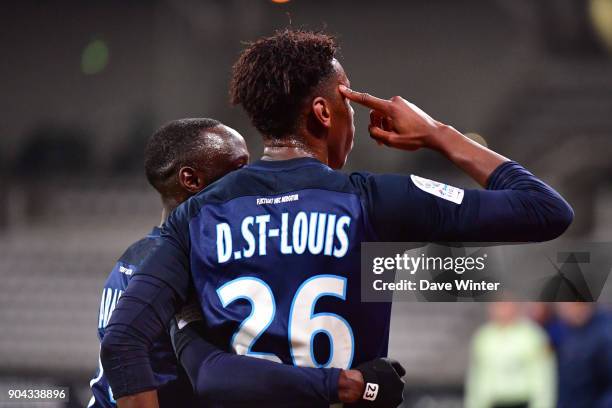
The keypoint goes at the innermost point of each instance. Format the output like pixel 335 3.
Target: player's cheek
pixel 350 139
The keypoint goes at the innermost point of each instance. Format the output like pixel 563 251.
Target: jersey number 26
pixel 304 324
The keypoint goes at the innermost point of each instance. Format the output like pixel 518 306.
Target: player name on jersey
pixel 313 232
pixel 110 297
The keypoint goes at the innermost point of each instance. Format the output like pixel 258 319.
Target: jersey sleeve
pixel 143 312
pixel 224 379
pixel 111 292
pixel 141 316
pixel 515 207
pixel 169 260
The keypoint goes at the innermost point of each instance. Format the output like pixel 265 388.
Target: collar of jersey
pixel 275 165
pixel 155 232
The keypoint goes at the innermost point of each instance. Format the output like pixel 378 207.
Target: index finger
pixel 365 99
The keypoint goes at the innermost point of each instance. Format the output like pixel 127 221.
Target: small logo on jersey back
pixel 371 392
pixel 278 200
pixel 127 271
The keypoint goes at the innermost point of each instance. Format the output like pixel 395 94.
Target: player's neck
pixel 168 205
pixel 164 216
pixel 294 148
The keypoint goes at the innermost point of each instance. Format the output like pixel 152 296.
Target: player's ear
pixel 322 111
pixel 191 179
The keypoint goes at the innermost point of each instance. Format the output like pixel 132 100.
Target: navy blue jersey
pixel 585 364
pixel 174 387
pixel 275 261
pixel 278 275
pixel 274 249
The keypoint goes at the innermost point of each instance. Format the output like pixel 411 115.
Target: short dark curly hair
pixel 177 143
pixel 275 75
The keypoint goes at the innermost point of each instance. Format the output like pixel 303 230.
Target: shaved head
pixel 202 146
pixel 223 150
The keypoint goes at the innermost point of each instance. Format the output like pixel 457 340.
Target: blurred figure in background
pixel 545 315
pixel 585 357
pixel 511 364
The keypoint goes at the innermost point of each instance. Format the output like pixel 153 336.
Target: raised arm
pixel 516 206
pixel 400 124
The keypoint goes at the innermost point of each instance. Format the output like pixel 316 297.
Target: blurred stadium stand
pixel 74 196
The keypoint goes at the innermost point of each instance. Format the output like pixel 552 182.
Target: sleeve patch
pixel 441 190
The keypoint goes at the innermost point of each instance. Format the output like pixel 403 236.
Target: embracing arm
pixel 145 311
pixel 143 314
pixel 230 380
pixel 140 317
pixel 233 381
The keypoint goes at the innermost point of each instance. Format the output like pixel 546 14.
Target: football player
pixel 182 158
pixel 272 250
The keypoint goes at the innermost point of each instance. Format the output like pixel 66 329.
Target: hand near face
pixel 396 122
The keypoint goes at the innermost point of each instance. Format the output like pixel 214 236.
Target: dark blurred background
pixel 84 83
